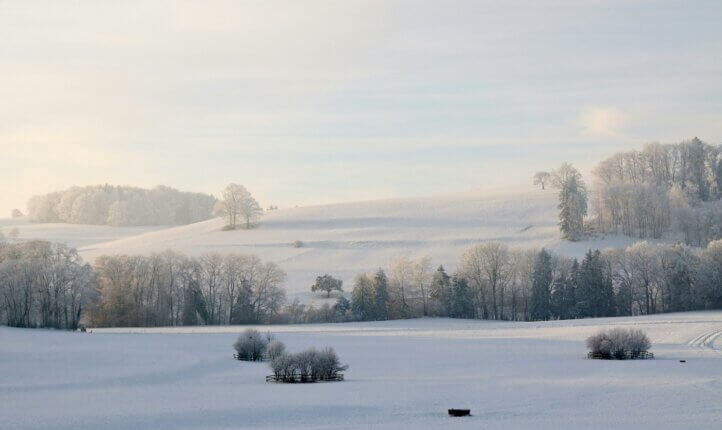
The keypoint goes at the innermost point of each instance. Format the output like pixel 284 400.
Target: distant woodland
pixel 662 188
pixel 669 191
pixel 121 206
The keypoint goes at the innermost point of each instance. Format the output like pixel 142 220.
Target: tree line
pixel 495 282
pixel 662 188
pixel 121 206
pixel 48 285
pixel 43 284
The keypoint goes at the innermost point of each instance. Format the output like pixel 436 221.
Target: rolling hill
pixel 349 238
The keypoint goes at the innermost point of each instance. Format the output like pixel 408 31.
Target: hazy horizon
pixel 317 102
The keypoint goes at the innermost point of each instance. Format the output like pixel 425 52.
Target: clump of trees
pixel 43 285
pixel 311 365
pixel 171 289
pixel 251 345
pixel 619 344
pixel 662 188
pixel 239 207
pixel 16 213
pixel 121 206
pixel 327 284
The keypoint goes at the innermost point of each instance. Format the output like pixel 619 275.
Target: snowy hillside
pixel 344 239
pixel 75 235
pixel 347 239
pixel 402 374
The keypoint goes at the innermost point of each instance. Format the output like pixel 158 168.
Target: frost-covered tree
pixel 238 203
pixel 401 287
pixel 541 178
pixel 572 201
pixel 660 188
pixel 381 295
pixel 441 290
pixel 462 300
pixel 489 270
pixel 595 294
pixel 422 276
pixel 251 345
pixel 275 349
pixel 563 296
pixel 16 213
pixel 363 298
pixel 327 283
pixel 540 307
pixel 341 308
pixel 43 285
pixel 171 289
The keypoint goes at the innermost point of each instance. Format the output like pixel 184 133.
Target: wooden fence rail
pixel 644 355
pixel 302 379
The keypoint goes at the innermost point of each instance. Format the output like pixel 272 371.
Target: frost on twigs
pixel 311 365
pixel 619 344
pixel 251 345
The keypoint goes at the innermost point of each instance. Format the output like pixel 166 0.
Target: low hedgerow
pixel 619 344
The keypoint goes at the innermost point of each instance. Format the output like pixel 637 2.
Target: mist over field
pixel 387 214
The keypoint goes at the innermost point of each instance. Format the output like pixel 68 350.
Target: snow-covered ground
pixel 403 374
pixel 75 235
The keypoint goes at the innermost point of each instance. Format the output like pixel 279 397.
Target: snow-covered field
pixel 403 374
pixel 75 235
pixel 349 238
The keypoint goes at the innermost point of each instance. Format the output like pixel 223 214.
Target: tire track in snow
pixel 706 340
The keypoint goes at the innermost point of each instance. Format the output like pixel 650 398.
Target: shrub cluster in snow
pixel 618 343
pixel 121 206
pixel 307 366
pixel 275 349
pixel 251 345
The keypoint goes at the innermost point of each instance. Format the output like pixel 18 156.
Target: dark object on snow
pixel 459 412
pixel 82 329
pixel 682 361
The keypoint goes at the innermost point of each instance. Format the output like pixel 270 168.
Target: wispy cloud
pixel 350 97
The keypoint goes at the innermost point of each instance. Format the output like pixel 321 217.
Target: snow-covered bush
pixel 618 343
pixel 251 345
pixel 275 349
pixel 307 366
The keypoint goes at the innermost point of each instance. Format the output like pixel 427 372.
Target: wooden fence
pixel 295 379
pixel 644 355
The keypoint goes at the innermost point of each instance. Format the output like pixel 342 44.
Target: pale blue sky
pixel 314 102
